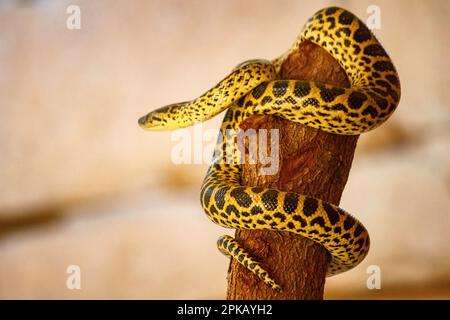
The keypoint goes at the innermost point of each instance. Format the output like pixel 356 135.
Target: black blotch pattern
pixel 319 221
pixel 224 215
pixel 279 88
pixel 348 223
pixel 259 90
pixel 359 229
pixel 329 94
pixel 360 243
pixel 339 106
pixel 346 18
pixel 280 216
pixel 237 114
pixel 256 210
pixel 213 210
pixel 366 60
pixel 383 66
pixel 362 33
pixel 290 100
pixel 346 236
pixel 269 199
pixel 302 89
pixel 331 10
pixel 344 30
pixel 219 197
pixel 374 50
pixel 381 92
pixel 311 102
pixel 231 209
pixel 228 115
pixel 393 79
pixel 337 119
pixel 370 111
pixel 300 219
pixel 381 102
pixel 257 189
pixel 356 99
pixel 290 202
pixel 242 198
pixel 395 96
pixel 310 206
pixel 383 84
pixel 332 22
pixel 356 49
pixel 266 99
pixel 207 196
pixel 332 214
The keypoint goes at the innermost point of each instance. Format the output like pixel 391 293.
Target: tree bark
pixel 312 162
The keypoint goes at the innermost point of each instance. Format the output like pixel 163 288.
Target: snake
pixel 252 88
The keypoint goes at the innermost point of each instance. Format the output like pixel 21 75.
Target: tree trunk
pixel 312 162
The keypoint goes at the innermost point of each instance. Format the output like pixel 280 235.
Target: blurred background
pixel 82 184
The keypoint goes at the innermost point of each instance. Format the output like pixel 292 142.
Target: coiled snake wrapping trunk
pixel 252 88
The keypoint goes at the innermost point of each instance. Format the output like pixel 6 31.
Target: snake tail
pixel 230 247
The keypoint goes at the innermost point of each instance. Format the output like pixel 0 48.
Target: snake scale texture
pixel 252 88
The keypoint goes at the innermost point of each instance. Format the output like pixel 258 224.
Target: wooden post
pixel 312 162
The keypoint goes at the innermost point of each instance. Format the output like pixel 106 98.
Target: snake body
pixel 252 88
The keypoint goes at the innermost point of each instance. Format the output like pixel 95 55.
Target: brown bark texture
pixel 311 162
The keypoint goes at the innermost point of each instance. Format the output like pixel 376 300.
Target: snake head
pixel 164 118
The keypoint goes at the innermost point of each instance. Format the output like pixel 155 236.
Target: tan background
pixel 82 184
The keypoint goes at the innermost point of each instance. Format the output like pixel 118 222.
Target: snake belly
pixel 252 89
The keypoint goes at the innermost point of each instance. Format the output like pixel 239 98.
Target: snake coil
pixel 251 89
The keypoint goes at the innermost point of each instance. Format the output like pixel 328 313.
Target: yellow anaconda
pixel 251 89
